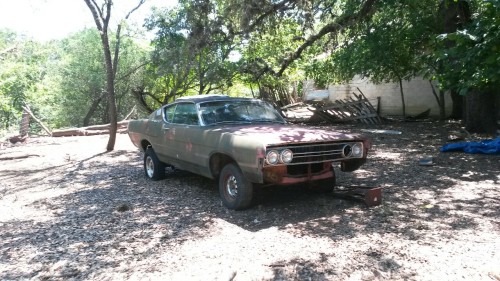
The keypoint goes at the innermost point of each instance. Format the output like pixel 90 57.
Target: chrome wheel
pixel 232 186
pixel 235 190
pixel 153 167
pixel 150 167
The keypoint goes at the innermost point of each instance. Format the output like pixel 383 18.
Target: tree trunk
pixel 454 15
pixel 480 112
pixel 102 16
pixel 442 106
pixel 110 80
pixel 440 101
pixel 402 98
pixel 457 105
pixel 92 109
pixel 110 88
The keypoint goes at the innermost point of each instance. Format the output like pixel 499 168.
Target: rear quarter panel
pixel 136 131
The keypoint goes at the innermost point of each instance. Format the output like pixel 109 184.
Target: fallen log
pixel 120 125
pixel 94 129
pixel 15 157
pixel 70 132
pixel 28 110
pixel 83 132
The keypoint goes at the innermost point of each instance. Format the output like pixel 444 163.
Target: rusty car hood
pixel 269 134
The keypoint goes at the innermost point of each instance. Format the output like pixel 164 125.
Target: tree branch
pixel 96 13
pixel 28 110
pixel 105 20
pixel 118 37
pixel 132 71
pixel 141 96
pixel 133 10
pixel 334 27
pixel 274 8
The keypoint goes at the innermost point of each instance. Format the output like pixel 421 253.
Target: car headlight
pixel 346 150
pixel 286 156
pixel 272 157
pixel 357 150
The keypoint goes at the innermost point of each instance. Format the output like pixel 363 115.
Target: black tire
pixel 153 167
pixel 235 191
pixel 323 186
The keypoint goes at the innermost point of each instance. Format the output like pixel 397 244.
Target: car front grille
pixel 315 153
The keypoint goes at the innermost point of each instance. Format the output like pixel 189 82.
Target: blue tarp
pixel 485 147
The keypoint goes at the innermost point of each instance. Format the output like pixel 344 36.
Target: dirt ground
pixel 71 211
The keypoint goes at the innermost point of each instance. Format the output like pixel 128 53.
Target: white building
pixel 386 96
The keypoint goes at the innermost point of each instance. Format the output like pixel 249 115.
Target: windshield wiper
pixel 268 121
pixel 229 122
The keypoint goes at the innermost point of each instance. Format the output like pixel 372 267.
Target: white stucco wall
pixel 418 96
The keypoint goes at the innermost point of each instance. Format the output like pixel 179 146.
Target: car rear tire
pixel 153 167
pixel 235 191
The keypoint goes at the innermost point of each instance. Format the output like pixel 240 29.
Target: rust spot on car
pixel 274 174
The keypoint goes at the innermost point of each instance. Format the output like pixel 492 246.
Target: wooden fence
pixel 354 108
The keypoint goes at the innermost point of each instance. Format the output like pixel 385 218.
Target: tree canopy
pixel 253 47
pixel 22 68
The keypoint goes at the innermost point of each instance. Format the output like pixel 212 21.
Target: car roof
pixel 205 98
pixel 201 98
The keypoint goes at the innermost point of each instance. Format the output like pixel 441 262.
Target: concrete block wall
pixel 417 92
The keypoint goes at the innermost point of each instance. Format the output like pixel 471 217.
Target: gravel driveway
pixel 73 211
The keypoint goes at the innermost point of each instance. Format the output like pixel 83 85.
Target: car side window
pixel 169 113
pixel 156 115
pixel 185 113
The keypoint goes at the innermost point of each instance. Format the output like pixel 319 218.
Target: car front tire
pixel 153 167
pixel 235 191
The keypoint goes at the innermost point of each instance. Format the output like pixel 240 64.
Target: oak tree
pixel 102 15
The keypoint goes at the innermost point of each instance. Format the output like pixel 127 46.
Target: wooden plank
pixel 345 112
pixel 325 116
pixel 365 111
pixel 336 106
pixel 366 108
pixel 355 107
pixel 359 118
pixel 369 104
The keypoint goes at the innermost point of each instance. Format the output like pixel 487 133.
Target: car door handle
pixel 165 128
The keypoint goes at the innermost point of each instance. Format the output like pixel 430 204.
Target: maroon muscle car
pixel 242 143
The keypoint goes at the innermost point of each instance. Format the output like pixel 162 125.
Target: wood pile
pixel 355 108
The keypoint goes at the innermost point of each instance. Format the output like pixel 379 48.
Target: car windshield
pixel 238 111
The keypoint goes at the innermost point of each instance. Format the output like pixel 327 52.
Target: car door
pixel 165 136
pixel 153 128
pixel 185 120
